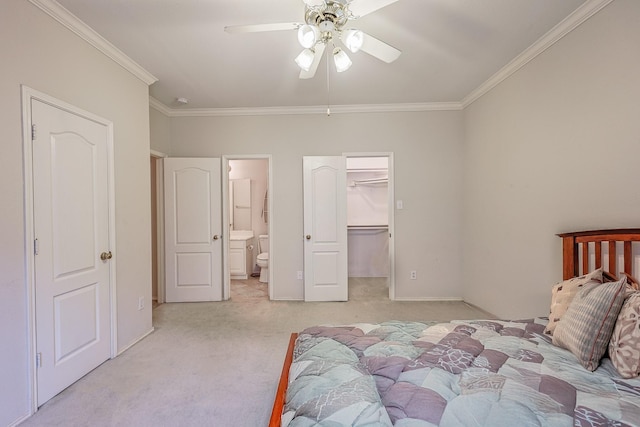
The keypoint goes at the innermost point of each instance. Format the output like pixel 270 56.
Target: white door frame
pixel 226 277
pixel 158 156
pixel 391 203
pixel 28 95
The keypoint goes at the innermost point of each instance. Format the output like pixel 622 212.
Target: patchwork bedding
pixel 462 373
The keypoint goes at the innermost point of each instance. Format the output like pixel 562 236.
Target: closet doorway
pixel 370 219
pixel 157 227
pixel 246 183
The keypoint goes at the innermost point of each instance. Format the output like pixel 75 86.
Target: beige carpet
pixel 217 364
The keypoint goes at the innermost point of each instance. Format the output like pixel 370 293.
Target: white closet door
pixel 325 229
pixel 71 225
pixel 193 229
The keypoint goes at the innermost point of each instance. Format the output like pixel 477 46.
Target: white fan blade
pixel 379 49
pixel 364 7
pixel 319 50
pixel 313 3
pixel 257 28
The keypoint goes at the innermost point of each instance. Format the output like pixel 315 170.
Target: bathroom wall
pixel 240 204
pixel 257 170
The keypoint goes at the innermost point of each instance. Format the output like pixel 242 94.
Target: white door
pixel 193 229
pixel 325 229
pixel 71 226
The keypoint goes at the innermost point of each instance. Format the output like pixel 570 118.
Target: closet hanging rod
pixel 368 227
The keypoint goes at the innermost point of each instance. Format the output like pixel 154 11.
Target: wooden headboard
pixel 578 242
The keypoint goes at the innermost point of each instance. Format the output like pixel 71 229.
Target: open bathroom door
pixel 193 229
pixel 325 229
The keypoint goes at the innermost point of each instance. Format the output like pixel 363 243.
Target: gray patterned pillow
pixel 563 293
pixel 624 348
pixel 586 327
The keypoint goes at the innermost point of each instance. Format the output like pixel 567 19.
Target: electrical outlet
pixel 140 303
pixel 413 275
pixel 300 275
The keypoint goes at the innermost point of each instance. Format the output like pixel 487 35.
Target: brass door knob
pixel 308 236
pixel 106 255
pixel 216 237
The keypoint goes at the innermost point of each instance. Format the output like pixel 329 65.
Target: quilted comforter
pixel 463 373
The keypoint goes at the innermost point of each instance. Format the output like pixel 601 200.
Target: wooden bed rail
pixel 278 403
pixel 571 245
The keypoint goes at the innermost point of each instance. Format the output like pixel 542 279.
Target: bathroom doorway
pixel 370 219
pixel 247 217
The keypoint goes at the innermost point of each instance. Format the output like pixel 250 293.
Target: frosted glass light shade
pixel 353 39
pixel 305 59
pixel 308 35
pixel 313 2
pixel 341 59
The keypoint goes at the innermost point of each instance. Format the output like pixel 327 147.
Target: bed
pixel 578 366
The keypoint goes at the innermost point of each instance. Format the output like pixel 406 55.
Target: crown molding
pixel 69 20
pixel 300 110
pixel 159 106
pixel 570 23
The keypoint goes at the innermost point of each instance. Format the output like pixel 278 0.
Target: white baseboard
pixel 19 420
pixel 429 299
pixel 149 332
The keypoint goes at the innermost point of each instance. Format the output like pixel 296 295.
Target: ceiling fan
pixel 325 21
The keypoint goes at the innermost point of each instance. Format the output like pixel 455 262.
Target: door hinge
pixel 36 247
pixel 33 132
pixel 39 360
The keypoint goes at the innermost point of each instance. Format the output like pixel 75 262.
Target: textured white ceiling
pixel 449 48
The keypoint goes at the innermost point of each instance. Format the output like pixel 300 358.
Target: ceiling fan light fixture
pixel 324 22
pixel 353 39
pixel 308 35
pixel 341 59
pixel 305 59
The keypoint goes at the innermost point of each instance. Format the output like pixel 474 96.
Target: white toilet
pixel 263 257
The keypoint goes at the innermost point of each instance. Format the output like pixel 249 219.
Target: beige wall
pixel 160 131
pixel 38 52
pixel 427 148
pixel 554 148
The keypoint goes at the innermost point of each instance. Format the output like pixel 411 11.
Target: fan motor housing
pixel 334 12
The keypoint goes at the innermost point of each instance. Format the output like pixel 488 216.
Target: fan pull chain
pixel 328 92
